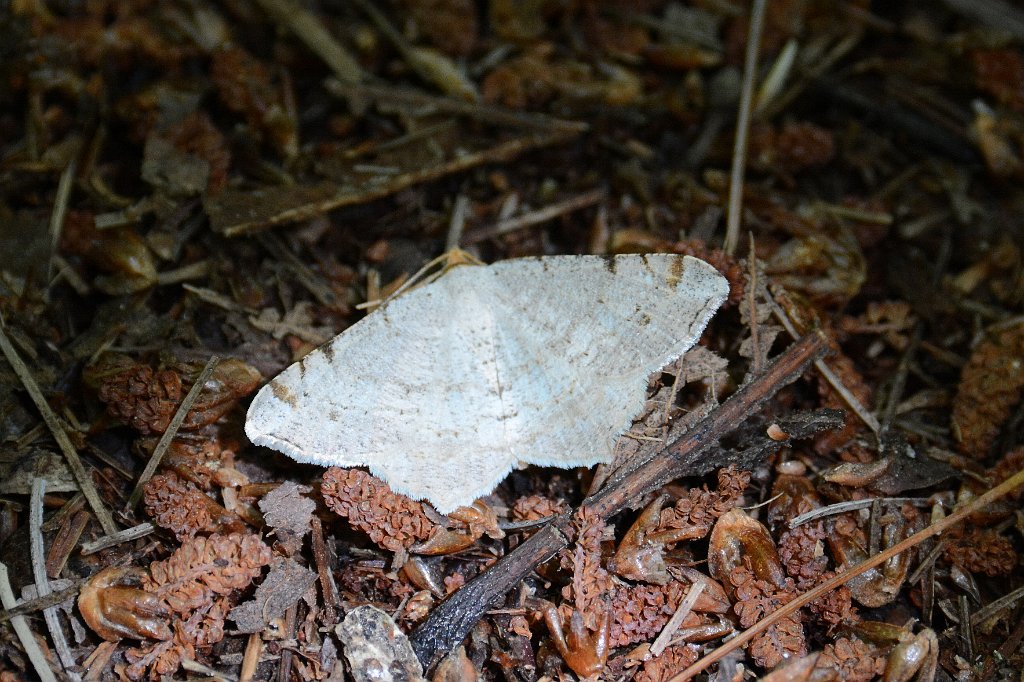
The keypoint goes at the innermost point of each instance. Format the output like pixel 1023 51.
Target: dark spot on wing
pixel 645 320
pixel 675 272
pixel 329 352
pixel 302 367
pixel 283 393
pixel 611 263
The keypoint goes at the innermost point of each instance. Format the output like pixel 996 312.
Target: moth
pixel 443 390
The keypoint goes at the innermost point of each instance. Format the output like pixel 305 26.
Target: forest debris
pixel 127 535
pixel 980 551
pixel 738 166
pixel 42 580
pixel 541 215
pixel 180 507
pixel 852 658
pixel 375 648
pixel 991 385
pixel 536 507
pixel 148 397
pixel 120 253
pixel 428 63
pixel 197 583
pixel 287 508
pixel 892 474
pixel 244 86
pixel 1005 488
pixel 114 606
pixel 391 520
pixel 286 583
pixel 16 477
pixel 219 99
pixel 673 659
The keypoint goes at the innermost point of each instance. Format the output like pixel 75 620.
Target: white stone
pixel 442 391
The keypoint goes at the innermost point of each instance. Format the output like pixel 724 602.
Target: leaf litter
pixel 148 150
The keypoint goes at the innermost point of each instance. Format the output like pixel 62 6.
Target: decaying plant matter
pixel 195 195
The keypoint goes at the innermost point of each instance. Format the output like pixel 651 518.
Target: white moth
pixel 442 391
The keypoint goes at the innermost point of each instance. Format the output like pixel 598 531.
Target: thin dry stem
pixel 60 210
pixel 664 638
pixel 739 151
pixel 541 215
pixel 851 400
pixel 127 535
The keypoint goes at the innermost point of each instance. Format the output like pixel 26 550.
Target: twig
pixel 837 385
pixel 323 569
pixel 21 628
pixel 218 299
pixel 665 636
pixel 996 605
pixel 197 667
pixel 42 582
pixel 679 457
pixel 1001 490
pixel 854 505
pixel 284 670
pixel 126 535
pixel 172 431
pixel 40 603
pixel 739 150
pixel 60 209
pixel 70 454
pixel 534 217
pixel 451 621
pixel 235 212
